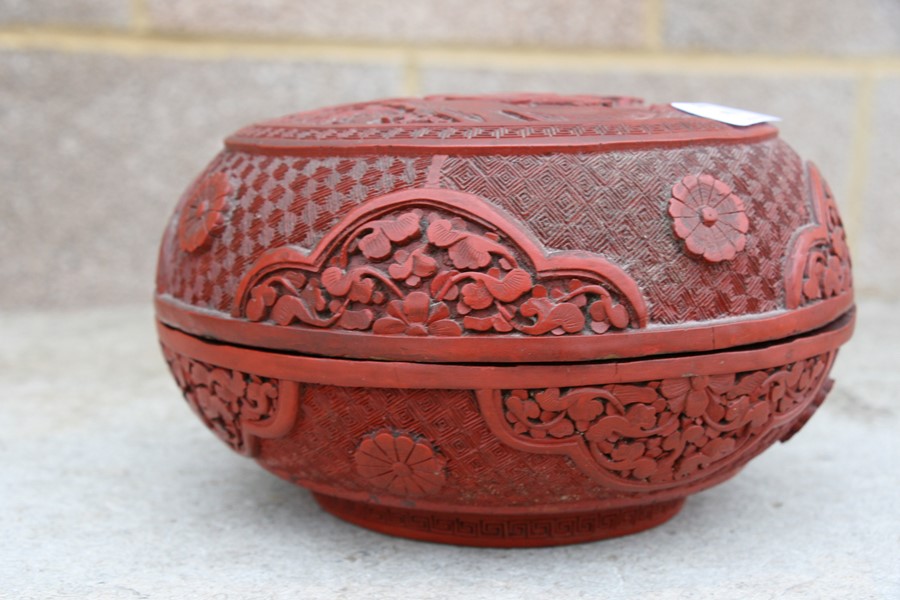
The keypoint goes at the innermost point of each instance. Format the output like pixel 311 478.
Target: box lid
pixel 523 228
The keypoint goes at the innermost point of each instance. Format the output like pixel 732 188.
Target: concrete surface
pixel 111 488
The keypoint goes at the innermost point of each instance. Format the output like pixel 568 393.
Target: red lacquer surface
pixel 509 320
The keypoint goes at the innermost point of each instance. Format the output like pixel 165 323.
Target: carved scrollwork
pixel 819 265
pixel 661 433
pixel 438 263
pixel 238 407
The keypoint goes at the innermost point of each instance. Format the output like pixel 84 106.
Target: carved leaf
pixel 467 250
pixel 759 415
pixel 402 228
pixel 562 429
pixel 336 281
pixel 605 427
pixel 495 322
pixel 618 316
pixel 628 452
pixel 693 434
pixel 442 234
pixel 510 287
pixel 471 252
pixel 585 409
pixel 550 400
pixel 719 447
pixel 567 318
pixel 737 409
pixel 632 394
pixel 523 410
pixel 412 265
pixel 375 245
pixel 477 296
pixel 445 327
pixel 715 410
pixel 389 326
pixel 564 317
pixel 403 267
pixel 748 384
pixel 438 283
pixel 359 320
pixel 720 384
pixel 261 298
pixel 641 416
pixel 605 314
pixel 290 308
pixel 351 284
pixel 696 403
pixel 644 468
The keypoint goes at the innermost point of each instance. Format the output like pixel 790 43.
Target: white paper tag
pixel 724 114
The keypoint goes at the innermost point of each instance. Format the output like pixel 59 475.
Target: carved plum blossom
pixel 204 213
pixel 709 217
pixel 399 463
pixel 415 315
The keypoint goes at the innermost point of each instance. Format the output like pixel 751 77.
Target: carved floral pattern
pixel 518 118
pixel 227 400
pixel 399 463
pixel 385 112
pixel 428 272
pixel 822 258
pixel 669 430
pixel 468 110
pixel 415 315
pixel 204 213
pixel 709 217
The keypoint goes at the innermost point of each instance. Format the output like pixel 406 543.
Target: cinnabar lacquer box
pixel 514 320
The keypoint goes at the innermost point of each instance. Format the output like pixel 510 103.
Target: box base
pixel 501 530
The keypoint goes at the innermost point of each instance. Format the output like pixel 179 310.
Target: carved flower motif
pixel 709 217
pixel 697 395
pixel 400 464
pixel 203 215
pixel 412 266
pixel 415 315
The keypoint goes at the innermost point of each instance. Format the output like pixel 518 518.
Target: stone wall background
pixel 109 107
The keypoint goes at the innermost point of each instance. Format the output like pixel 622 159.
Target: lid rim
pixel 407 374
pixel 280 147
pixel 516 123
pixel 655 341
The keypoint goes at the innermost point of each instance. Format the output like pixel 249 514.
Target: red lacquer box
pixel 515 320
